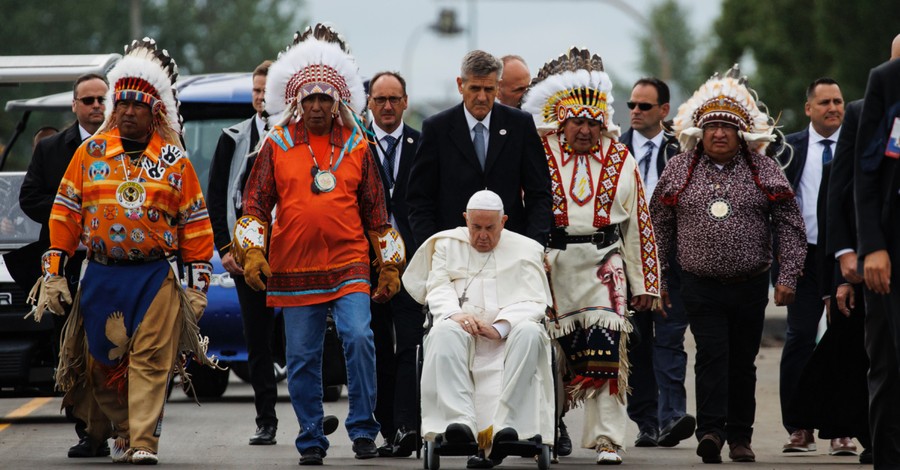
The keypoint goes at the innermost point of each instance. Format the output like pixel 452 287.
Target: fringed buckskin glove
pixel 199 276
pixel 249 232
pixel 248 246
pixel 51 291
pixel 390 260
pixel 255 264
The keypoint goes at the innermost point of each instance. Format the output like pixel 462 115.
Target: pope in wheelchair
pixel 486 375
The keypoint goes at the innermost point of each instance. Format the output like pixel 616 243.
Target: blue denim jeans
pixel 304 333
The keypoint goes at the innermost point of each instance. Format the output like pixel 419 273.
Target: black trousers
pixel 883 348
pixel 397 327
pixel 800 339
pixel 726 320
pixel 259 328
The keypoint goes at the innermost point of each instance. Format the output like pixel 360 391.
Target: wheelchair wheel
pixel 432 459
pixel 543 459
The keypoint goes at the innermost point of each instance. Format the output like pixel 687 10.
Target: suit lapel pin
pixel 409 140
pixel 502 131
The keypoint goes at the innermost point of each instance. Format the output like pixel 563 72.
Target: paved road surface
pixel 34 435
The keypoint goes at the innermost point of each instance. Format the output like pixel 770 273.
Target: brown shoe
pixel 801 440
pixel 710 448
pixel 741 452
pixel 842 446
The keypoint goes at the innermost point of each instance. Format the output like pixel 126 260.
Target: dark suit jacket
pixel 800 142
pixel 396 203
pixel 446 173
pixel 669 149
pixel 48 164
pixel 875 179
pixel 841 219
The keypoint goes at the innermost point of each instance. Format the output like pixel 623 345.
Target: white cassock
pixel 485 384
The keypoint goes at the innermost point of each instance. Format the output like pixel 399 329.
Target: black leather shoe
pixel 563 441
pixel 312 456
pixel 503 436
pixel 86 449
pixel 646 438
pixel 458 433
pixel 329 424
pixel 364 448
pixel 405 442
pixel 386 449
pixel 677 431
pixel 265 435
pixel 865 457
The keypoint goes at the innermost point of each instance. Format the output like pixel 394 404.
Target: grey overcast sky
pixel 394 34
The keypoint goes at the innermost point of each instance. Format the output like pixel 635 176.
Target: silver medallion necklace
pixel 719 207
pixel 323 180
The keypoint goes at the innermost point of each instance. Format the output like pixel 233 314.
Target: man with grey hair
pixel 514 81
pixel 487 292
pixel 476 145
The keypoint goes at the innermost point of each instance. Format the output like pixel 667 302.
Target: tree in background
pixel 791 43
pixel 202 35
pixel 668 51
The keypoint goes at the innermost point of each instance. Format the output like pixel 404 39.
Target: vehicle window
pixel 16 228
pixel 201 138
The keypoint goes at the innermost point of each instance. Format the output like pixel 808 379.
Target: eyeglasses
pixel 714 126
pixel 381 100
pixel 641 106
pixel 89 100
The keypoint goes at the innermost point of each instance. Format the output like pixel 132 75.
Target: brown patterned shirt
pixel 741 243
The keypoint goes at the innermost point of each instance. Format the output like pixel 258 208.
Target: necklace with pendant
pixel 463 299
pixel 131 194
pixel 323 180
pixel 719 208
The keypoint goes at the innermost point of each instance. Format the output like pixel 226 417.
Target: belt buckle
pixel 598 238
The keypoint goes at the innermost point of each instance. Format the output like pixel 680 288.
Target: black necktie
pixel 826 152
pixel 644 162
pixel 389 155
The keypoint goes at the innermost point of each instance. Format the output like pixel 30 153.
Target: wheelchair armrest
pixel 429 318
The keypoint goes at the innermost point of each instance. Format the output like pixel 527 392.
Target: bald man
pixel 514 81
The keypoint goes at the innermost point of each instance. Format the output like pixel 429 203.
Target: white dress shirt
pixel 471 121
pixel 637 143
pixel 811 179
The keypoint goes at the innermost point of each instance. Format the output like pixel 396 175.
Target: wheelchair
pixel 543 452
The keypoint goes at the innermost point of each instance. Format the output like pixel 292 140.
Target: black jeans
pixel 397 326
pixel 726 320
pixel 259 328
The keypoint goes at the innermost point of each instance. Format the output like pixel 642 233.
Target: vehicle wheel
pixel 207 382
pixel 332 393
pixel 432 459
pixel 425 454
pixel 543 460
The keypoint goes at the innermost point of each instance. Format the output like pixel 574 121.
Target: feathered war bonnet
pixel 148 75
pixel 573 85
pixel 727 99
pixel 318 62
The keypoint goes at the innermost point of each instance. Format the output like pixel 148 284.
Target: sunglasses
pixel 381 100
pixel 89 100
pixel 641 106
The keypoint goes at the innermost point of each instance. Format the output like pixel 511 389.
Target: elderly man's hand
pixel 468 322
pixel 488 331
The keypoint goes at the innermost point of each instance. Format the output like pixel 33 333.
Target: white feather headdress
pixel 573 85
pixel 725 99
pixel 146 74
pixel 318 61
